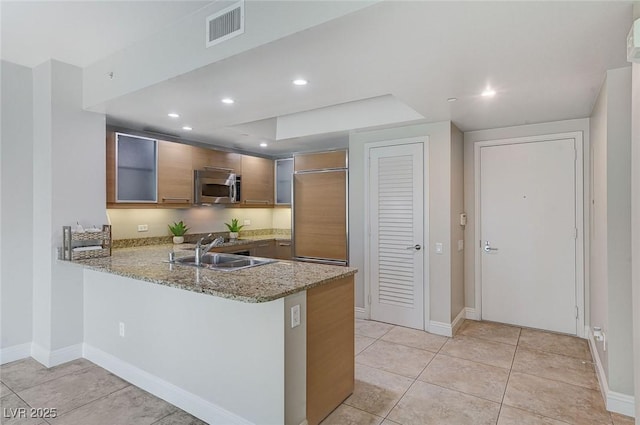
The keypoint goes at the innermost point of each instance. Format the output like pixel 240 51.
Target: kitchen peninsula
pixel 225 346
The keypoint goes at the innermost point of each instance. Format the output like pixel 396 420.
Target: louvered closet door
pixel 396 251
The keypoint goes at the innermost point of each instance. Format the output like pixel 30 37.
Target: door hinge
pixel 575 233
pixel 577 312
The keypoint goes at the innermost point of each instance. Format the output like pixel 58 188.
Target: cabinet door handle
pixel 284 244
pixel 176 199
pixel 256 201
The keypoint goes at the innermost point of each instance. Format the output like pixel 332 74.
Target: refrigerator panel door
pixel 320 215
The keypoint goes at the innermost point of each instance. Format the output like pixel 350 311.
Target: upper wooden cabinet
pixel 161 173
pixel 320 161
pixel 256 187
pixel 175 174
pixel 202 158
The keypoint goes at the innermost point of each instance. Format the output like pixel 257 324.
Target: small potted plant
pixel 178 230
pixel 234 228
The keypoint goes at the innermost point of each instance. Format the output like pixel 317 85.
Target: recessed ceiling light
pixel 452 99
pixel 300 82
pixel 227 100
pixel 173 115
pixel 263 145
pixel 488 92
pixel 187 128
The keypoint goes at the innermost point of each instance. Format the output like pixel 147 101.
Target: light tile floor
pixel 488 373
pixel 82 394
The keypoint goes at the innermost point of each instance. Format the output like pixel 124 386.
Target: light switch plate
pixel 439 248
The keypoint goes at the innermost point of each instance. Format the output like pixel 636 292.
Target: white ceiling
pixel 546 60
pixel 81 32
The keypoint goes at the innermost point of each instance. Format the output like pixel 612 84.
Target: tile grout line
pixel 416 378
pixel 53 379
pixel 97 399
pixel 504 393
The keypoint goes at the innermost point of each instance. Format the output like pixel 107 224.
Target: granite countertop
pixel 253 285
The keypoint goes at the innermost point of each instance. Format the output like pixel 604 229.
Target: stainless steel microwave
pixel 216 186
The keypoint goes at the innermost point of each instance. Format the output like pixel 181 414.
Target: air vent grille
pixel 225 24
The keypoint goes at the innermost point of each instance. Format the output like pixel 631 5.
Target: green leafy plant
pixel 234 227
pixel 178 229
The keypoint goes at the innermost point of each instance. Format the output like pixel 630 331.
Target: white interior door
pixel 396 217
pixel 528 234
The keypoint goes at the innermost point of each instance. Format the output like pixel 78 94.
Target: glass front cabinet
pixel 136 169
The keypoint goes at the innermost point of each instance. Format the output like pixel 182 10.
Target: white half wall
pixel 224 354
pixel 16 200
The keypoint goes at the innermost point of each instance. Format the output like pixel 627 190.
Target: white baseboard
pixel 55 357
pixel 439 328
pixel 446 329
pixel 458 321
pixel 614 401
pixel 193 404
pixel 361 313
pixel 15 352
pixel 471 313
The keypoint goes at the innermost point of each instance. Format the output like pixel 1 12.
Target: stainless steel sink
pixel 224 262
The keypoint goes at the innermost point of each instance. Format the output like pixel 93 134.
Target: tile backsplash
pixel 125 222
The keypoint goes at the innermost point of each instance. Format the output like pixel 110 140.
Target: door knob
pixel 416 247
pixel 487 247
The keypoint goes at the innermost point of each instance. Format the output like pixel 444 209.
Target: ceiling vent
pixel 225 24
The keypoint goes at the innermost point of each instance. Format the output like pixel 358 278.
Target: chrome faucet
pixel 201 250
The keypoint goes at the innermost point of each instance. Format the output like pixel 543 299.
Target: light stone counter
pixel 252 285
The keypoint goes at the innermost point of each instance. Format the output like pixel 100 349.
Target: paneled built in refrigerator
pixel 320 182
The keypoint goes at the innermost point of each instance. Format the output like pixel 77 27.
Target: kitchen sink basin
pixel 224 262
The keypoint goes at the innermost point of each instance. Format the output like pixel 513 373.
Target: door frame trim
pixel 579 219
pixel 367 220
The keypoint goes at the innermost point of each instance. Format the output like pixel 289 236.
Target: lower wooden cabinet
pixel 330 347
pixel 283 250
pixel 266 249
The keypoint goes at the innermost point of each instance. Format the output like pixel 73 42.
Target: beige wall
pixel 618 198
pixel 470 138
pixel 610 285
pixel 635 184
pixel 439 154
pixel 457 231
pixel 598 294
pixel 199 219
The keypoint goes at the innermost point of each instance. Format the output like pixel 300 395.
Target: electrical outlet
pixel 121 329
pixel 295 315
pixel 143 227
pixel 247 222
